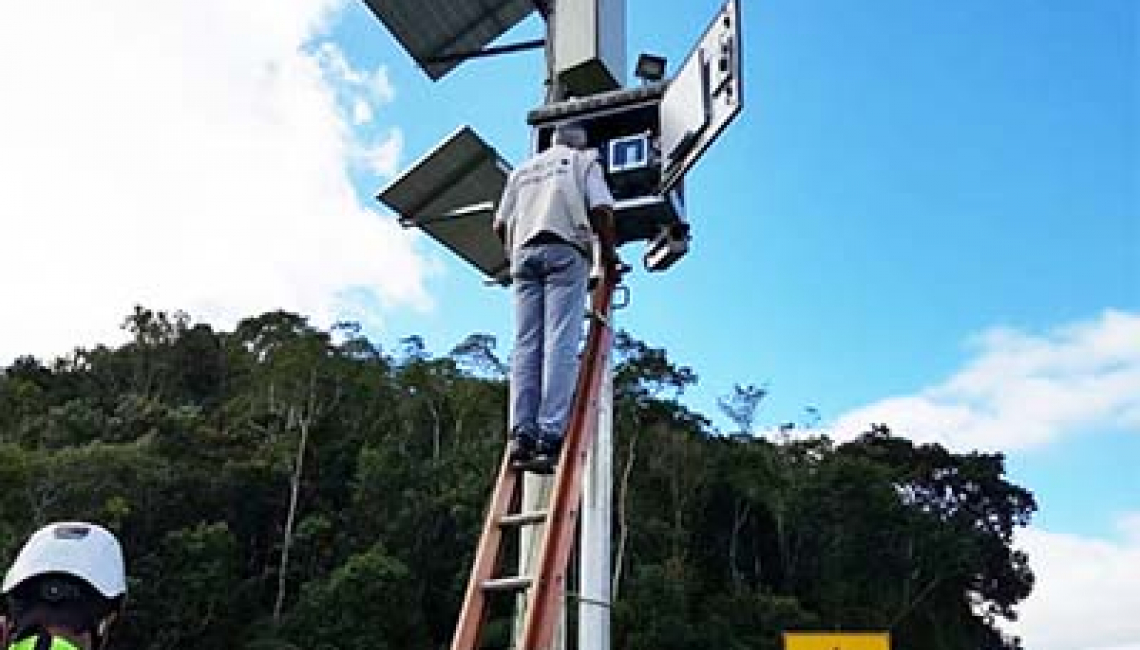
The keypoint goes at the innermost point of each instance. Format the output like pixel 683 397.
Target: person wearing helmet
pixel 65 589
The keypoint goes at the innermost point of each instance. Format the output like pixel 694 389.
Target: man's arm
pixel 602 220
pixel 503 211
pixel 601 212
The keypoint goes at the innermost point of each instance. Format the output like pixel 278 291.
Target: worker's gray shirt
pixel 553 192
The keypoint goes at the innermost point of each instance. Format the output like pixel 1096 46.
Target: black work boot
pixel 547 451
pixel 523 443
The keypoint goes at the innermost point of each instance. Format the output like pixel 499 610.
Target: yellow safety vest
pixel 30 644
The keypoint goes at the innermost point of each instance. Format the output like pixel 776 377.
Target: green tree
pixel 741 405
pixel 368 603
pixel 283 472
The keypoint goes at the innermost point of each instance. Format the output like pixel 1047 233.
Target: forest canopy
pixel 285 486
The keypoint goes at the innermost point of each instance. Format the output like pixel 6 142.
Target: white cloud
pixel 1023 390
pixel 361 87
pixel 384 158
pixel 361 112
pixel 382 87
pixel 1086 595
pixel 1130 526
pixel 182 155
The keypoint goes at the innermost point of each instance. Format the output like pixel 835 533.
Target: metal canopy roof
pixel 430 29
pixel 451 194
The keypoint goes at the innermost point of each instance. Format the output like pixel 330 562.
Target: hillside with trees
pixel 282 486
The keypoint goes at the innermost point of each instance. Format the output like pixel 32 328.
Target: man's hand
pixel 620 267
pixel 611 260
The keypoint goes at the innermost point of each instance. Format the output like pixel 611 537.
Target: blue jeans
pixel 549 286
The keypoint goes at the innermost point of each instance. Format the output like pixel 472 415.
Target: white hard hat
pixel 86 551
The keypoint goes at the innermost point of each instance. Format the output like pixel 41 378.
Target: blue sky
pixel 906 177
pixel 903 176
pixel 927 215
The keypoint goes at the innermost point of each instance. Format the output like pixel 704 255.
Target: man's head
pixel 69 579
pixel 571 134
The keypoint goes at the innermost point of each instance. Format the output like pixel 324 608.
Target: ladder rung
pixel 507 584
pixel 523 518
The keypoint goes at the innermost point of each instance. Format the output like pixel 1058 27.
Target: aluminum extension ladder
pixel 544 588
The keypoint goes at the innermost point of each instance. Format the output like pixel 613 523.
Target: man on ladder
pixel 551 209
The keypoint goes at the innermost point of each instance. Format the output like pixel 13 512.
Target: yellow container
pixel 837 641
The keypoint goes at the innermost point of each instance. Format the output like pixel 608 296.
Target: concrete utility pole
pixel 595 598
pixel 585 55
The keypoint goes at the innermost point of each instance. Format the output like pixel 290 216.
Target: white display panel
pixel 704 97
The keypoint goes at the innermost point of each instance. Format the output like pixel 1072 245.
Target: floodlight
pixel 669 246
pixel 650 67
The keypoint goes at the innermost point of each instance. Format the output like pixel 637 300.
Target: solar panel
pixel 431 29
pixel 451 194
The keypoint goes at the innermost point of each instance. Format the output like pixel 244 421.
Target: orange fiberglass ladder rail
pixel 545 586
